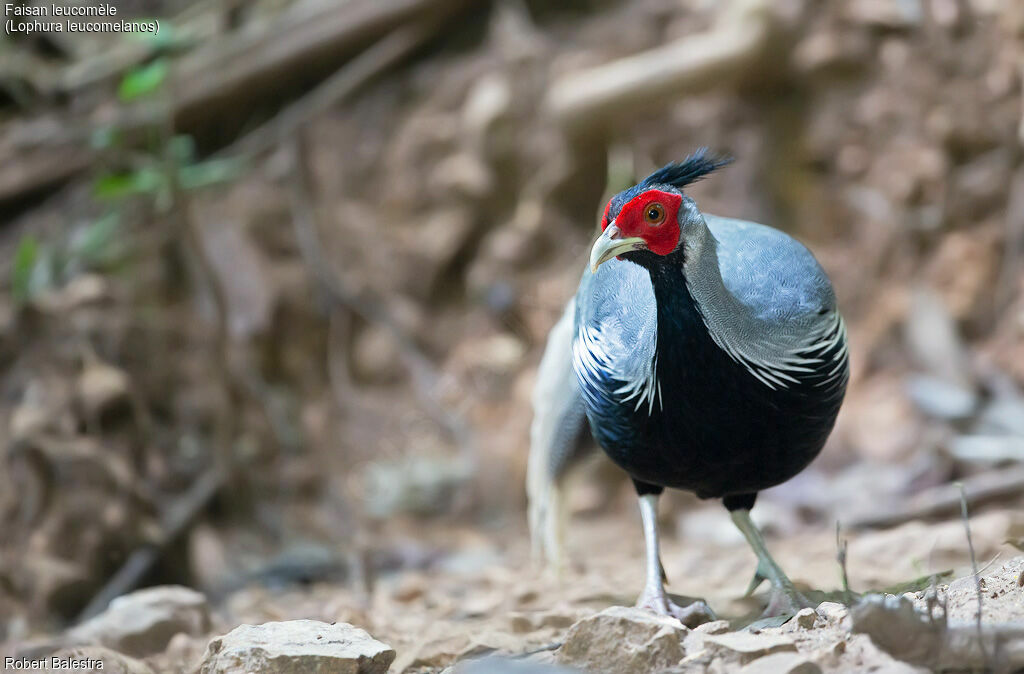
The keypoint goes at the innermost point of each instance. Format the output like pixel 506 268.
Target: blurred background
pixel 274 283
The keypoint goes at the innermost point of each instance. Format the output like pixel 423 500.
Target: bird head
pixel 651 217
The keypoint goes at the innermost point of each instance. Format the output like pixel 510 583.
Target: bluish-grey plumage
pixel 766 302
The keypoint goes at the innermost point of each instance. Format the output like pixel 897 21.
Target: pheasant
pixel 701 353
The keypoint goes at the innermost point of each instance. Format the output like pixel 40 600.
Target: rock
pixel 832 611
pixel 94 659
pixel 782 663
pixel 897 628
pixel 713 627
pixel 747 646
pixel 142 623
pixel 297 646
pixel 805 618
pixel 621 640
pixel 498 665
pixel 421 485
pixel 987 449
pixel 100 386
pixel 524 622
pixel 941 399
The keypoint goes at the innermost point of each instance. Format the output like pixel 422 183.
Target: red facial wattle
pixel 661 233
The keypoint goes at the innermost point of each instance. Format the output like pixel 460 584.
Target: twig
pixel 310 39
pixel 345 81
pixel 945 499
pixel 175 521
pixel 974 566
pixel 841 547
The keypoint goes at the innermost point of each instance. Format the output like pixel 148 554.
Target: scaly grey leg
pixel 653 597
pixel 785 599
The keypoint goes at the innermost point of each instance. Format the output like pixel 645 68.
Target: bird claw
pixel 691 615
pixel 755 582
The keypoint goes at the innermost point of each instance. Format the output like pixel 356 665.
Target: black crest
pixel 690 170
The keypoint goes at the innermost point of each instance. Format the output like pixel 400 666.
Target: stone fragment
pixel 782 663
pixel 531 621
pixel 832 611
pixel 143 622
pixel 296 646
pixel 96 659
pixel 748 647
pixel 621 640
pixel 805 618
pixel 498 665
pixel 713 627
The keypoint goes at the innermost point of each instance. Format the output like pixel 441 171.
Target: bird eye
pixel 654 214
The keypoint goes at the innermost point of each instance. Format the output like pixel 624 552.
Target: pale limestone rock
pixel 143 622
pixel 297 646
pixel 622 640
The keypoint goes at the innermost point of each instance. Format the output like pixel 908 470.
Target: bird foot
pixel 785 601
pixel 691 615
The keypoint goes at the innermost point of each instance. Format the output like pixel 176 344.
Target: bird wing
pixel 617 334
pixel 770 272
pixel 792 324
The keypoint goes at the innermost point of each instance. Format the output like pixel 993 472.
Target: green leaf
pixel 115 186
pixel 21 271
pixel 104 137
pixel 210 172
pixel 144 80
pixel 182 149
pixel 98 244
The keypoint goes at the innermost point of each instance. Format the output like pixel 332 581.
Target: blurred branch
pixel 175 521
pixel 945 499
pixel 718 57
pixel 39 154
pixel 351 76
pixel 306 40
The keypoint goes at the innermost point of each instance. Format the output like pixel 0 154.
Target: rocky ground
pixel 483 598
pixel 361 349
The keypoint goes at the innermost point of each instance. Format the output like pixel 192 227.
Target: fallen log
pixel 729 51
pixel 945 499
pixel 306 44
pixel 228 79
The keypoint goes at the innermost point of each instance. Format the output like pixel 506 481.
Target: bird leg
pixel 784 598
pixel 653 597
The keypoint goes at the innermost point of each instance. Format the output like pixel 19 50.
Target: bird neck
pixel 688 284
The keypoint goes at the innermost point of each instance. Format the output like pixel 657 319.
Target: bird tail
pixel 558 440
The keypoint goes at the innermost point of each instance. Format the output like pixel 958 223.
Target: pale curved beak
pixel 612 243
